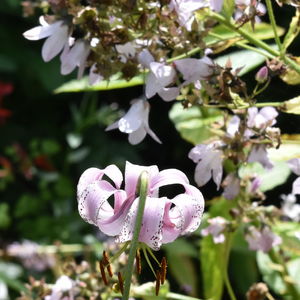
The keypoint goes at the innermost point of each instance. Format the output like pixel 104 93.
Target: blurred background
pixel 48 140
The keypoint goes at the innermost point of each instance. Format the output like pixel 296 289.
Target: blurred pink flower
pixel 259 154
pixel 63 285
pixel 209 160
pixel 216 228
pixel 263 240
pixel 135 122
pixel 164 219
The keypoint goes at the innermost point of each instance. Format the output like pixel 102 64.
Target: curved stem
pixel 225 267
pixel 256 42
pixel 143 186
pixel 273 23
pixel 275 257
pixel 232 106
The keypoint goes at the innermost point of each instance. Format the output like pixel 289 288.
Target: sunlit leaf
pixel 291 76
pixel 292 106
pixel 286 151
pixel 228 8
pixel 270 178
pixel 262 31
pixel 293 31
pixel 115 82
pixel 193 123
pixel 247 59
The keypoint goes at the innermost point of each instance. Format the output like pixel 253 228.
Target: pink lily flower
pixel 164 219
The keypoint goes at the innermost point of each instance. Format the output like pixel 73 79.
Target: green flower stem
pixel 256 42
pixel 276 258
pixel 273 23
pixel 232 106
pixel 143 187
pixel 228 243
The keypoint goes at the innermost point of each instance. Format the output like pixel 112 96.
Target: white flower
pixel 135 122
pixel 233 126
pixel 74 57
pixel 127 50
pixel 216 228
pixel 159 77
pixel 194 70
pixel 185 9
pixel 259 154
pixel 294 164
pixel 263 240
pixel 94 77
pixel 209 161
pixel 62 285
pixel 290 208
pixel 57 35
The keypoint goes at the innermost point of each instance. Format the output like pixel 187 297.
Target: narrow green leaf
pixel 262 31
pixel 211 257
pixel 115 82
pixel 193 123
pixel 293 31
pixel 228 8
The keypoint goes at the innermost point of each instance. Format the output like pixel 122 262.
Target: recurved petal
pixel 92 202
pixel 94 174
pixel 152 85
pixel 151 231
pixel 137 136
pixel 55 43
pixel 166 177
pixel 132 174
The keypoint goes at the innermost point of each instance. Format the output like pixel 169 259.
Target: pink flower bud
pixel 262 75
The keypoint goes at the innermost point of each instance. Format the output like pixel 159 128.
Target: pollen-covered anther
pixel 121 282
pixel 102 270
pixel 138 262
pixel 163 270
pixel 157 284
pixel 106 263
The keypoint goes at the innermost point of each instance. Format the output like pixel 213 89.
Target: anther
pixel 121 282
pixel 102 270
pixel 138 261
pixel 163 270
pixel 157 285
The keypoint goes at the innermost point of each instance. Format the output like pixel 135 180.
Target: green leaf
pixel 211 257
pixel 228 8
pixel 193 123
pixel 115 82
pixel 247 59
pixel 286 151
pixel 272 273
pixel 270 178
pixel 4 215
pixel 262 31
pixel 293 31
pixel 287 231
pixel 292 106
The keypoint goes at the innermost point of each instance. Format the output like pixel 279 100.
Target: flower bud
pixel 262 75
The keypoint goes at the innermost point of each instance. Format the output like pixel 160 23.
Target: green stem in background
pixel 258 43
pixel 229 288
pixel 143 186
pixel 273 23
pixel 232 106
pixel 276 258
